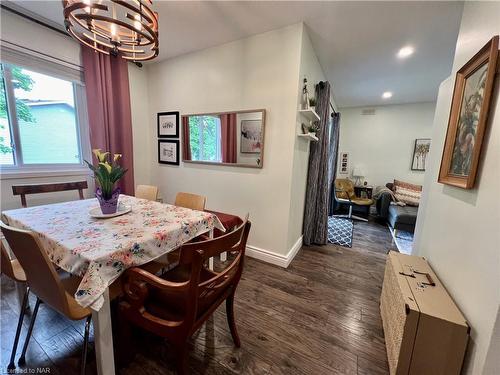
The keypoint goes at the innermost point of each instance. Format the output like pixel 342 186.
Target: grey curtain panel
pixel 332 159
pixel 315 225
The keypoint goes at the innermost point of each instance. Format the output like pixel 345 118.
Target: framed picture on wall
pixel 344 163
pixel 168 152
pixel 468 118
pixel 168 124
pixel 251 137
pixel 420 152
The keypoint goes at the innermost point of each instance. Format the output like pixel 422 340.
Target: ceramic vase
pixel 108 206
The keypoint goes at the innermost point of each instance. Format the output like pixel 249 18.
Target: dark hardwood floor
pixel 319 316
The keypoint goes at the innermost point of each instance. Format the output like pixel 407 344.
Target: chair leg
pixel 230 319
pixel 22 359
pixel 22 311
pixel 182 356
pixel 354 217
pixel 85 345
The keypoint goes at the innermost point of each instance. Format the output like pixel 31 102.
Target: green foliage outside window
pixel 203 137
pixel 21 81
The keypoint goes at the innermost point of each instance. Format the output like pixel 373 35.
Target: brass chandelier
pixel 128 28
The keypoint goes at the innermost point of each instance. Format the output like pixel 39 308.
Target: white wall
pixel 458 230
pixel 257 72
pixel 383 143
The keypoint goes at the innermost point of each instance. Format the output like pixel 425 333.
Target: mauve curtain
pixel 108 101
pixel 186 140
pixel 228 137
pixel 315 226
pixel 332 158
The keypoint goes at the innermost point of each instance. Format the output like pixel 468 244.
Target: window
pixel 39 120
pixel 205 138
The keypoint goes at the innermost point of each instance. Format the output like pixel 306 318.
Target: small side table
pixel 363 191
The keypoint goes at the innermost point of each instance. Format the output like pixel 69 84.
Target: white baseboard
pixel 272 257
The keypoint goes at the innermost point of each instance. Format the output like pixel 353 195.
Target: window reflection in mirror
pixel 231 138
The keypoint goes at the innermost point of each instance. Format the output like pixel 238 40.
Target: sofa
pixel 399 217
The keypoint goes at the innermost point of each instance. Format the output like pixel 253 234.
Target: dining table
pixel 99 250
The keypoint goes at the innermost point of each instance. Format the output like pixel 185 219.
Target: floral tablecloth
pixel 99 250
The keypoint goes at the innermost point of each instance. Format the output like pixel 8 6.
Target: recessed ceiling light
pixel 405 52
pixel 387 95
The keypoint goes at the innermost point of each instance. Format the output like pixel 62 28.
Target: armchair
pixel 344 194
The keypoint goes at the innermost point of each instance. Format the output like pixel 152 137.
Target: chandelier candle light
pixel 107 175
pixel 126 28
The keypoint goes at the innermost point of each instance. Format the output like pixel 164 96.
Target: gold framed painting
pixel 468 118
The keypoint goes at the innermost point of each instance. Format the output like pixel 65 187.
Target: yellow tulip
pixel 97 152
pixel 107 166
pixel 116 157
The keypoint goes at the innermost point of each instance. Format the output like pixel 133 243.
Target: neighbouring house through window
pixel 205 138
pixel 39 120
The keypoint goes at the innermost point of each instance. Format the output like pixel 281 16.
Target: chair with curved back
pixel 46 283
pixel 13 270
pixel 149 192
pixel 176 304
pixel 192 201
pixel 344 194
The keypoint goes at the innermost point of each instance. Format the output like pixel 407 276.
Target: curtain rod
pixel 32 19
pixel 334 112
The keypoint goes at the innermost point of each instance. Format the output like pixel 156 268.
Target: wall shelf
pixel 309 114
pixel 309 137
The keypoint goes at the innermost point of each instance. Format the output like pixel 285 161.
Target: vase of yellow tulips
pixel 107 173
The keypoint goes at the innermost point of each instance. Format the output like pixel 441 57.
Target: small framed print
pixel 344 163
pixel 168 152
pixel 168 124
pixel 420 152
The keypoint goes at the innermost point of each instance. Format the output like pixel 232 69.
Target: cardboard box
pixel 425 332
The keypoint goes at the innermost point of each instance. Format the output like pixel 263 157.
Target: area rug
pixel 403 240
pixel 340 231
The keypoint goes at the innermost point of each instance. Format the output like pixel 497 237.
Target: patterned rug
pixel 403 240
pixel 340 231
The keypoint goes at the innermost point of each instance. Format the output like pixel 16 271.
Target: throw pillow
pixel 407 193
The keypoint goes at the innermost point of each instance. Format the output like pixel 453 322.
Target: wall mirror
pixel 229 138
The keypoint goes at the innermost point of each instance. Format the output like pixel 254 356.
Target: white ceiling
pixel 356 42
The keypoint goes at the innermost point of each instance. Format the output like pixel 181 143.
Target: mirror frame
pixel 260 166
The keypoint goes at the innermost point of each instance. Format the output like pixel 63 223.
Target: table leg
pixel 103 338
pixel 223 256
pixel 211 260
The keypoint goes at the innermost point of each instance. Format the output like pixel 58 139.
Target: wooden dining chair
pixel 24 190
pixel 46 284
pixel 192 201
pixel 13 270
pixel 175 304
pixel 149 192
